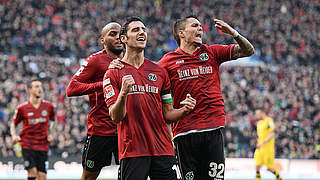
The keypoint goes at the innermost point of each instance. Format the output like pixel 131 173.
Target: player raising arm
pixel 194 69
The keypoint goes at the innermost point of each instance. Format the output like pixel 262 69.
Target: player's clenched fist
pixel 189 103
pixel 127 82
pixel 16 139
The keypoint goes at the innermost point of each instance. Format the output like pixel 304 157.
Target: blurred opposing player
pixel 35 115
pixel 101 139
pixel 139 99
pixel 264 153
pixel 194 69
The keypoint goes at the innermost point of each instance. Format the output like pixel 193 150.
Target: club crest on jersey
pixel 204 56
pixel 26 164
pixel 90 163
pixel 152 77
pixel 109 91
pixel 44 113
pixel 189 175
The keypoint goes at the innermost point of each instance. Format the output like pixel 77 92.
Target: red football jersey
pixel 198 74
pixel 88 81
pixel 143 131
pixel 34 132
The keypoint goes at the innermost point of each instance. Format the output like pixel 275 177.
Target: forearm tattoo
pixel 244 48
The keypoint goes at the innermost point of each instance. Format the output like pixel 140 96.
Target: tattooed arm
pixel 244 48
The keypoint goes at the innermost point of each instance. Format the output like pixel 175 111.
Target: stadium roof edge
pixel 245 62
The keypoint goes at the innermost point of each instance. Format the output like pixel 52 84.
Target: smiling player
pixel 139 99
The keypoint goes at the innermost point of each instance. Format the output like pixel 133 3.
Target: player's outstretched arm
pixel 118 109
pixel 244 48
pixel 15 137
pixel 52 133
pixel 171 114
pixel 268 138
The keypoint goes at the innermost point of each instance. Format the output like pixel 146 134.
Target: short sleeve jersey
pixel 34 132
pixel 143 131
pixel 92 71
pixel 198 74
pixel 264 128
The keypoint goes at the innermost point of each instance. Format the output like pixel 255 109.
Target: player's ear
pixel 181 34
pixel 102 40
pixel 123 38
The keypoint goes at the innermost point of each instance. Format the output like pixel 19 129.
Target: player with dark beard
pixel 101 139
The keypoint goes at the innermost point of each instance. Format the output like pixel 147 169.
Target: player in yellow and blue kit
pixel 264 153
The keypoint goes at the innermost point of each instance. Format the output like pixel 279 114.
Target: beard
pixel 114 50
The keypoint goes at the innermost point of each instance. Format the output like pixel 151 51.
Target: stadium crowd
pixel 49 39
pixel 290 95
pixel 282 31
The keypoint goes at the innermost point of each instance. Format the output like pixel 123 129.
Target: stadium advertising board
pixel 236 168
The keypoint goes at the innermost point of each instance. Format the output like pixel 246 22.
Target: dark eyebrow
pixel 113 31
pixel 135 28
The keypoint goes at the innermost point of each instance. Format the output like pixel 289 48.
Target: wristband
pixel 235 34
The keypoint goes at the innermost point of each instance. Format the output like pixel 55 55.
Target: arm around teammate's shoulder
pixel 77 88
pixel 82 82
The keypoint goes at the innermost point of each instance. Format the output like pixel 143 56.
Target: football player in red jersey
pixel 139 99
pixel 194 69
pixel 101 141
pixel 35 115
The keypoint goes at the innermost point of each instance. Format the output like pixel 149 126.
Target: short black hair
pixel 29 83
pixel 180 24
pixel 259 108
pixel 124 27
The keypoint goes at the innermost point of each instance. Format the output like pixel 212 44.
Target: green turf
pixel 116 179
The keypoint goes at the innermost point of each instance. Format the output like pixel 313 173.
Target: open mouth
pixel 141 39
pixel 199 35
